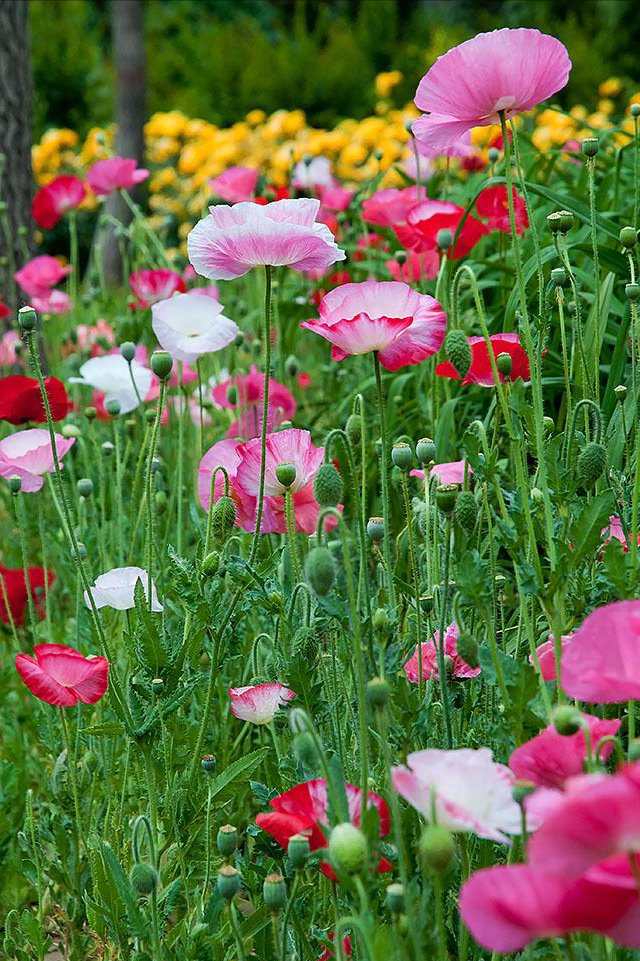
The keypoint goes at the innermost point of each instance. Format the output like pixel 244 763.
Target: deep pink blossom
pixel 492 205
pixel 547 656
pixel 550 759
pixel 450 472
pixel 115 173
pixel 40 274
pixel 602 663
pixel 415 267
pixel 150 286
pixel 259 704
pixel 61 676
pixel 503 71
pixel 458 669
pixel 405 327
pixel 615 530
pixel 235 184
pixel 481 372
pixel 335 197
pixel 28 454
pixel 425 220
pixel 390 207
pixel 53 302
pixel 56 199
pixel 249 391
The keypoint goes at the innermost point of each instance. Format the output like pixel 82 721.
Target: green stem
pixel 385 483
pixel 74 783
pixel 416 579
pixel 591 168
pixel 442 671
pixel 265 411
pixel 291 535
pixel 148 488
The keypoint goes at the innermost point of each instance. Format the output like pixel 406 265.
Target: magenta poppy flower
pixel 458 669
pixel 15 587
pixel 150 286
pixel 415 267
pixel 226 453
pixel 55 302
pixel 614 530
pixel 40 274
pixel 190 325
pixel 503 71
pixel 405 327
pixel 335 197
pixel 115 173
pixel 390 207
pixel 232 240
pixel 259 704
pixel 4 310
pixel 605 673
pixel 492 205
pixel 304 810
pixel 249 389
pixel 450 472
pixel 28 454
pixel 284 447
pixel 56 199
pixel 425 220
pixel 507 906
pixel 547 656
pixel 471 792
pixel 235 184
pixel 461 149
pixel 61 676
pixel 550 759
pixel 480 372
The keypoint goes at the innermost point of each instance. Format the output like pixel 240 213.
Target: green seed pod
pixel 27 318
pixel 560 221
pixel 635 109
pixel 426 449
pixel 444 238
pixel 467 648
pixel 504 363
pixel 466 511
pixel 70 430
pixel 319 570
pixel 590 146
pixel 380 619
pixel 286 474
pixel 559 276
pixel 292 366
pixel 274 892
pixel 591 463
pixel 394 898
pixel 143 877
pixel 633 292
pixel 628 237
pixel 458 351
pixel 402 456
pixel 621 393
pixel 446 496
pixel 375 529
pixel 566 720
pixel 238 341
pixel 348 848
pixel 437 848
pixel 90 413
pixel 223 519
pixel 228 882
pixel 107 448
pixel 15 484
pixel 298 850
pixel 112 407
pixel 328 487
pixel 521 790
pixel 232 395
pixel 208 763
pixel 128 350
pixel 227 840
pixel 353 429
pixel 161 363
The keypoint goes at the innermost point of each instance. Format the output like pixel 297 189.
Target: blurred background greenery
pixel 218 59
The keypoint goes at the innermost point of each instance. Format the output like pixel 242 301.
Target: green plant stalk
pixel 73 256
pixel 180 466
pixel 565 358
pixel 12 623
pixel 442 671
pixel 291 535
pixel 236 932
pixel 591 172
pixel 416 579
pixel 71 762
pixel 22 528
pixel 200 407
pixel 385 483
pixel 36 860
pixel 265 411
pixel 636 171
pixel 149 485
pixel 443 954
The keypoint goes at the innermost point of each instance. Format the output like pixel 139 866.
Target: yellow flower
pixel 170 124
pixel 606 106
pixel 255 117
pixel 385 82
pixel 610 87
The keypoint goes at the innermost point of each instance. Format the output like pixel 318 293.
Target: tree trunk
pixel 127 31
pixel 16 180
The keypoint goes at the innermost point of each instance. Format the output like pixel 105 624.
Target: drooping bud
pixel 591 463
pixel 458 351
pixel 375 529
pixel 227 840
pixel 143 878
pixel 348 848
pixel 211 563
pixel 298 850
pixel 286 474
pixel 466 511
pixel 467 648
pixel 566 720
pixel 161 364
pixel 353 429
pixel 378 692
pixel 228 882
pixel 327 485
pixel 426 449
pixel 437 848
pixel 223 519
pixel 305 749
pixel 446 496
pixel 274 892
pixel 320 570
pixel 402 456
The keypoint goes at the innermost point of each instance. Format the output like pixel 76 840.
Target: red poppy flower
pixel 303 810
pixel 16 591
pixel 271 194
pixel 425 220
pixel 61 676
pixel 21 400
pixel 52 202
pixel 329 954
pixel 492 205
pixel 480 372
pixel 4 310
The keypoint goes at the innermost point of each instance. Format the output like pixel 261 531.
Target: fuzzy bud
pixel 467 648
pixel 466 511
pixel 426 449
pixel 437 848
pixel 286 474
pixel 227 840
pixel 327 485
pixel 274 892
pixel 375 529
pixel 319 570
pixel 161 364
pixel 298 850
pixel 458 351
pixel 591 463
pixel 348 848
pixel 305 749
pixel 628 237
pixel 566 720
pixel 353 429
pixel 228 882
pixel 211 563
pixel 143 878
pixel 402 456
pixel 446 496
pixel 378 692
pixel 223 519
pixel 380 619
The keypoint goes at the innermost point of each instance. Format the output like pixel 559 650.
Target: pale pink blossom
pixel 8 341
pixel 190 325
pixel 28 454
pixel 235 184
pixel 459 669
pixel 55 302
pixel 115 173
pixel 449 472
pixel 259 704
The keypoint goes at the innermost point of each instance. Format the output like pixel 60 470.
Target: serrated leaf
pixel 108 729
pixel 242 766
pixel 124 891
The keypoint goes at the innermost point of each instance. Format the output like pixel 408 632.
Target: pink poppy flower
pixel 390 207
pixel 415 267
pixel 259 704
pixel 115 173
pixel 472 793
pixel 492 205
pixel 28 454
pixel 335 197
pixel 459 669
pixel 150 286
pixel 550 759
pixel 190 325
pixel 451 472
pixel 457 148
pixel 507 906
pixel 40 274
pixel 4 310
pixel 547 657
pixel 505 70
pixel 605 673
pixel 596 820
pixel 286 446
pixel 232 240
pixel 235 184
pixel 61 676
pixel 90 336
pixel 480 372
pixel 404 326
pixel 304 380
pixel 425 220
pixel 249 390
pixel 54 302
pixel 8 341
pixel 614 530
pixel 226 453
pixel 54 200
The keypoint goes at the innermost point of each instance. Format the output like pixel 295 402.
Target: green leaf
pixel 243 766
pixel 585 532
pixel 124 891
pixel 108 729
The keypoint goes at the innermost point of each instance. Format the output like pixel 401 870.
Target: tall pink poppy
pixel 232 240
pixel 449 472
pixel 150 286
pixel 390 206
pixel 248 400
pixel 492 205
pixel 415 267
pixel 425 220
pixel 405 327
pixel 259 704
pixel 503 71
pixel 235 184
pixel 115 173
pixel 61 676
pixel 547 656
pixel 459 669
pixel 549 759
pixel 57 198
pixel 609 672
pixel 28 455
pixel 40 274
pixel 480 372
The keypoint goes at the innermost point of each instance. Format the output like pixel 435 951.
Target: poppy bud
pixel 380 619
pixel 305 749
pixel 143 878
pixel 621 393
pixel 128 350
pixel 493 154
pixel 90 413
pixel 298 850
pixel 223 518
pixel 375 529
pixel 292 365
pixel 70 430
pixel 208 763
pixel 348 848
pixel 437 848
pixel 633 292
pixel 211 563
pixel 327 486
pixel 227 840
pixel 521 790
pixel 353 429
pixel 15 484
pixel 319 570
pixel 286 474
pixel 228 882
pixel 444 238
pixel 112 407
pixel 591 463
pixel 446 496
pixel 628 237
pixel 426 449
pixel 274 892
pixel 468 650
pixel 634 750
pixel 394 898
pixel 590 146
pixel 85 487
pixel 466 511
pixel 635 109
pixel 27 318
pixel 559 276
pixel 458 351
pixel 504 363
pixel 157 685
pixel 378 692
pixel 566 720
pixel 161 363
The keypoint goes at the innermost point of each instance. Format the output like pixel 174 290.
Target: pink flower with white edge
pixel 190 325
pixel 549 759
pixel 390 206
pixel 116 589
pixel 505 71
pixel 61 676
pixel 259 704
pixel 235 184
pixel 405 327
pixel 415 267
pixel 8 341
pixel 449 472
pixel 471 792
pixel 284 447
pixel 115 173
pixel 55 199
pixel 459 669
pixel 150 286
pixel 232 240
pixel 40 274
pixel 249 395
pixel 547 656
pixel 615 531
pixel 54 302
pixel 598 672
pixel 226 454
pixel 110 375
pixel 28 454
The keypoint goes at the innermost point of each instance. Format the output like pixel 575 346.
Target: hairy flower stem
pixel 416 579
pixel 591 174
pixel 442 670
pixel 71 762
pixel 265 411
pixel 565 359
pixel 236 932
pixel 21 523
pixel 636 170
pixel 180 466
pixel 291 535
pixel 385 483
pixel 149 488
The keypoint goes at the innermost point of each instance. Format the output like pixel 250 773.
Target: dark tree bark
pixel 16 180
pixel 127 31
